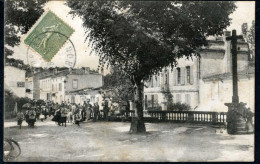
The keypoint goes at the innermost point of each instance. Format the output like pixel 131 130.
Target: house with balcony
pixel 205 82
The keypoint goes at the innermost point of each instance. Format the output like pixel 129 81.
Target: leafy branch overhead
pixel 20 15
pixel 142 37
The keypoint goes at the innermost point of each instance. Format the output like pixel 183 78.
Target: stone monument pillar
pixel 237 114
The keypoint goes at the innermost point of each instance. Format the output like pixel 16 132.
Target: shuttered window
pixel 75 83
pixel 183 75
pixel 188 74
pixel 174 77
pixel 191 75
pixel 178 75
pixel 187 99
pixel 60 87
pixel 178 98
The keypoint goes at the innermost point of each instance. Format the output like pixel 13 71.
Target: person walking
pixel 20 118
pixel 73 112
pixel 96 111
pixel 84 111
pixel 32 118
pixel 58 116
pixel 78 117
pixel 88 110
pixel 63 118
pixel 106 110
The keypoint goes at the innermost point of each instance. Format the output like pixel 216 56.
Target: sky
pixel 244 13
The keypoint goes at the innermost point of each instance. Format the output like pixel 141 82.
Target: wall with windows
pixel 45 88
pixel 76 82
pixel 181 82
pixel 14 78
pixel 58 89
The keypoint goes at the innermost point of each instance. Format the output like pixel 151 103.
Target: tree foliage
pixel 120 84
pixel 142 37
pixel 20 15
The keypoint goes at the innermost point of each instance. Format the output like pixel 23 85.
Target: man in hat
pixel 95 111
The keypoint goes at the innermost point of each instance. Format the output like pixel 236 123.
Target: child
pixel 78 118
pixel 20 118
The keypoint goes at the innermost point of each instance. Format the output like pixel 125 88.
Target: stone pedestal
pixel 237 118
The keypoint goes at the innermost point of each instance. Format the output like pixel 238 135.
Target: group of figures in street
pixel 64 113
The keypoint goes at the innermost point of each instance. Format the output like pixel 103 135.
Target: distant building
pixel 204 83
pixel 59 86
pixel 14 80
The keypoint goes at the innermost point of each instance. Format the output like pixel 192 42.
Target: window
pixel 166 78
pixel 178 75
pixel 145 101
pixel 178 98
pixel 20 84
pixel 75 83
pixel 152 101
pixel 188 74
pixel 187 99
pixel 60 87
pixel 52 87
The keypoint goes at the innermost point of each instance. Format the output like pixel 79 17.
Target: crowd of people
pixel 64 113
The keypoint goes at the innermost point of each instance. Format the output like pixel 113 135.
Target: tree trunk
pixel 137 123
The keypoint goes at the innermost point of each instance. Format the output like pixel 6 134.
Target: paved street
pixel 110 141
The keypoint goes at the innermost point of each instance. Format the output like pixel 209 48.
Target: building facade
pixel 14 80
pixel 64 85
pixel 194 81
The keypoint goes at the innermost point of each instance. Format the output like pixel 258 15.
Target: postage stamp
pixel 49 35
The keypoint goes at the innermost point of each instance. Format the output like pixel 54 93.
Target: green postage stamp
pixel 48 36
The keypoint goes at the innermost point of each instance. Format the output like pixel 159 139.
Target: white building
pixel 203 83
pixel 14 80
pixel 60 86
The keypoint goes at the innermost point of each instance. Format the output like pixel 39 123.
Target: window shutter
pixel 161 79
pixel 183 75
pixel 191 75
pixel 174 76
pixel 155 99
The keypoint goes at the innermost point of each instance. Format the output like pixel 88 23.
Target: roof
pixel 69 72
pixel 87 90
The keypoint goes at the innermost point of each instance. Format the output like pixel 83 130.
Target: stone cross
pixel 233 38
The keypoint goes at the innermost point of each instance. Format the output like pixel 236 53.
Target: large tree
pixel 122 86
pixel 20 15
pixel 143 37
